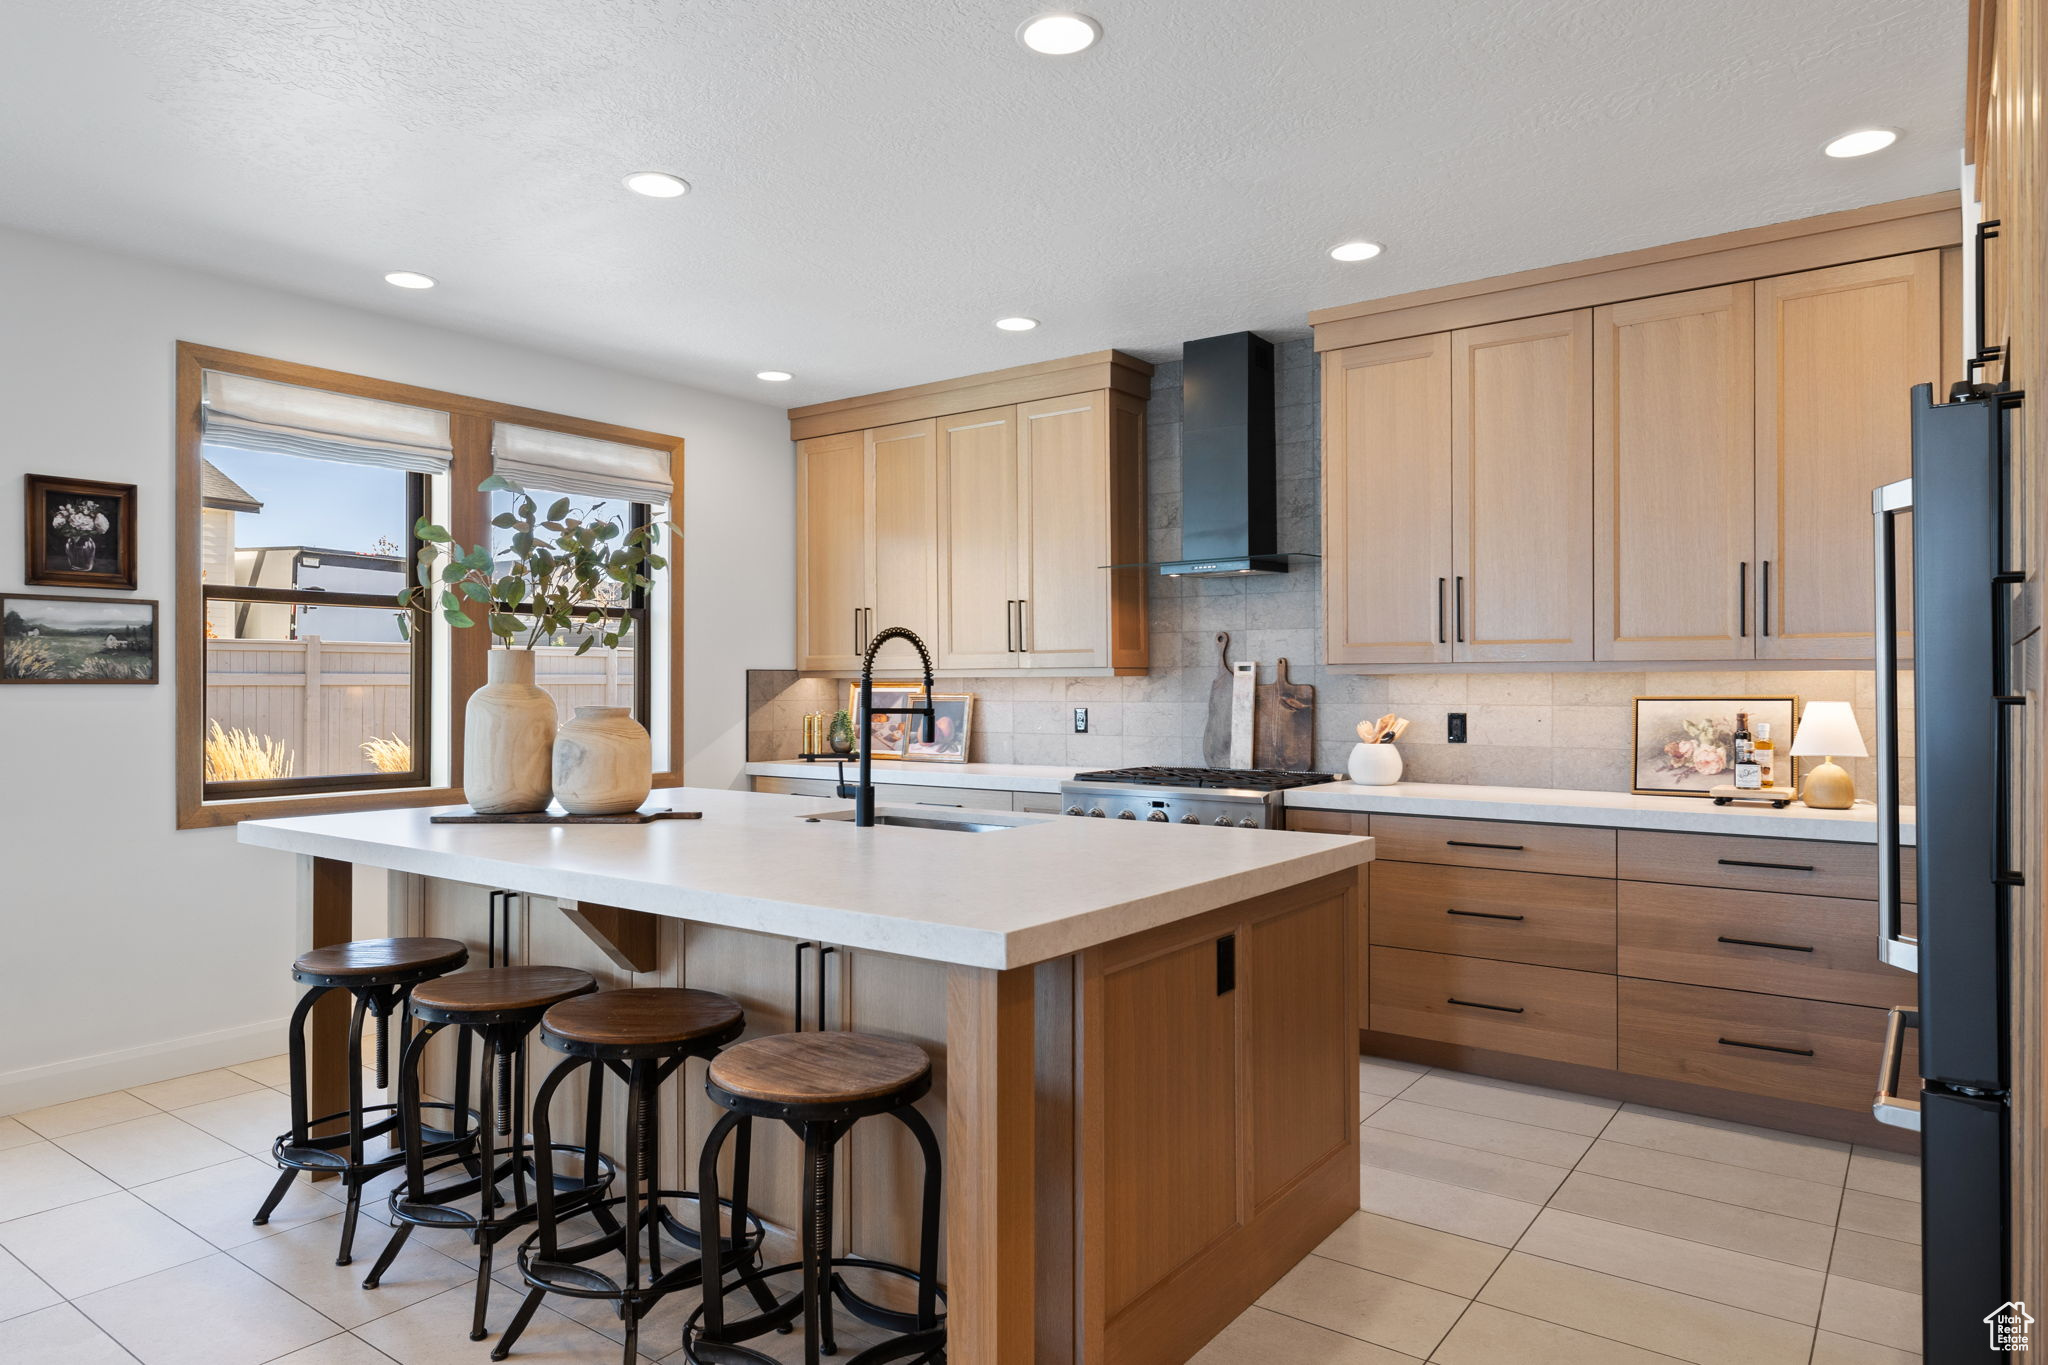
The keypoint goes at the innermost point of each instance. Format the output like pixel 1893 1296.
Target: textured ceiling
pixel 877 180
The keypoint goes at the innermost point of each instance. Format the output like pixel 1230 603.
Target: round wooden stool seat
pixel 787 1072
pixel 366 961
pixel 641 1021
pixel 497 993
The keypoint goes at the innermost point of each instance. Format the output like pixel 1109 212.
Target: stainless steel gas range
pixel 1248 798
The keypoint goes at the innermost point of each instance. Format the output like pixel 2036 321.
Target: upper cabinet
pixel 1659 476
pixel 1521 465
pixel 1009 537
pixel 1674 575
pixel 1837 353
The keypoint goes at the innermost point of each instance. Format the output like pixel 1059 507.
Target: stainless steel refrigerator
pixel 1953 512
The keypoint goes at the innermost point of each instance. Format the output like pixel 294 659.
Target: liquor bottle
pixel 1746 775
pixel 1766 755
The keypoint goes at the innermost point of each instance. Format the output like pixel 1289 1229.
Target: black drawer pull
pixel 1761 943
pixel 1775 867
pixel 1476 1005
pixel 1467 843
pixel 1766 1047
pixel 1482 914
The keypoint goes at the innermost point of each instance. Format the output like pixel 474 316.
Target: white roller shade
pixel 533 458
pixel 262 414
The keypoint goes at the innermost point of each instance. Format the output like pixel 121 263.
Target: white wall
pixel 130 950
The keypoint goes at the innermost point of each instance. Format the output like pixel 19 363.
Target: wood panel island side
pixel 1144 1037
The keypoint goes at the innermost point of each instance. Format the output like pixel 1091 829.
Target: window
pixel 298 493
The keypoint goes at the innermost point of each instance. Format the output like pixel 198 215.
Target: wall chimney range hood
pixel 1228 512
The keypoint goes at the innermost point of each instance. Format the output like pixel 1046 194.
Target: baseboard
pixel 33 1087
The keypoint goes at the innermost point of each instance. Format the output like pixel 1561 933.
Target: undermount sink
pixel 918 822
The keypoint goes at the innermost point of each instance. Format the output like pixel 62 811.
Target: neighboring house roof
pixel 218 490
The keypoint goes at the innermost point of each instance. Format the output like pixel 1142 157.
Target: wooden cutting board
pixel 1216 729
pixel 1285 724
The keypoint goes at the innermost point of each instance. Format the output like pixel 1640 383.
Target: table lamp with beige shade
pixel 1828 729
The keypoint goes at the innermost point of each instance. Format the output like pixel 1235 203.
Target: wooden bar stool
pixel 821 1084
pixel 498 1007
pixel 380 973
pixel 643 1036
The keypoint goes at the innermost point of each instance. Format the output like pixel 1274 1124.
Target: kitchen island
pixel 1144 1037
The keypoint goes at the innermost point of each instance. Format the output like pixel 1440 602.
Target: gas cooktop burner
pixel 1253 779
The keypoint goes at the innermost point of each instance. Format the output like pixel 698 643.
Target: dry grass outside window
pixel 240 756
pixel 392 755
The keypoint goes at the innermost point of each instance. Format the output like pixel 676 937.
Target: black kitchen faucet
pixel 863 792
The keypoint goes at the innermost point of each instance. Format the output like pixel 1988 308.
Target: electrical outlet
pixel 1457 727
pixel 1080 720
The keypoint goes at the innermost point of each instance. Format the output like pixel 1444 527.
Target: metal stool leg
pixel 275 1197
pixel 408 1122
pixel 352 1179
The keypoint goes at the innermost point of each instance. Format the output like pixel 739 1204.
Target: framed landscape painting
pixel 1685 746
pixel 80 533
pixel 77 639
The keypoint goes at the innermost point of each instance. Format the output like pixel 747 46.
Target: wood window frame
pixel 470 423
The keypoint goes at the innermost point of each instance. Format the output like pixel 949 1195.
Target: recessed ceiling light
pixel 774 376
pixel 657 184
pixel 1862 142
pixel 409 279
pixel 1016 324
pixel 1355 251
pixel 1059 35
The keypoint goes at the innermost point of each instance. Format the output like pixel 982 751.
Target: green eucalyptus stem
pixel 565 562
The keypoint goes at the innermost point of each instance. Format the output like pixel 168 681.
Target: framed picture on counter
pixel 77 639
pixel 903 736
pixel 80 533
pixel 1685 746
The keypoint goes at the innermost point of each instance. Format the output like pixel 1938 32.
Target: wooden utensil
pixel 1216 729
pixel 1286 724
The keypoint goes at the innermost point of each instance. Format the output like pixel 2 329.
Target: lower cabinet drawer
pixel 1510 916
pixel 1565 849
pixel 1504 1006
pixel 1817 947
pixel 1762 1044
pixel 795 786
pixel 960 798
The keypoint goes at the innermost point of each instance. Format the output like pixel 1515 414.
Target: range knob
pixel 1097 812
pixel 1222 820
pixel 1247 823
pixel 1127 815
pixel 1157 817
pixel 1075 810
pixel 1191 819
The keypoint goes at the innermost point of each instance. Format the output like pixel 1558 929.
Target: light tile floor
pixel 1502 1225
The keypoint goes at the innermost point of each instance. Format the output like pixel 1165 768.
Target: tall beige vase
pixel 604 762
pixel 508 738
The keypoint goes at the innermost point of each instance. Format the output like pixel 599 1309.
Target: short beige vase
pixel 507 736
pixel 604 762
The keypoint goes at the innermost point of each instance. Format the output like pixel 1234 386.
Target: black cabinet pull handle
pixel 1775 867
pixel 1761 943
pixel 1440 638
pixel 796 996
pixel 1764 600
pixel 824 951
pixel 1766 1047
pixel 1468 843
pixel 1476 1005
pixel 1482 914
pixel 1023 625
pixel 1461 609
pixel 1010 626
pixel 1742 596
pixel 1226 964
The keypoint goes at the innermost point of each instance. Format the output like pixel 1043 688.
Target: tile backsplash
pixel 1568 729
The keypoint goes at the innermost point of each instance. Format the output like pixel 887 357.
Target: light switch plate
pixel 1080 720
pixel 1455 723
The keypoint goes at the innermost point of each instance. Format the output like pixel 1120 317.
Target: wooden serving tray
pixel 545 817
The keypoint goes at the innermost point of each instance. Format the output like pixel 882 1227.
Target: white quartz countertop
pixel 1045 888
pixel 1618 810
pixel 1002 777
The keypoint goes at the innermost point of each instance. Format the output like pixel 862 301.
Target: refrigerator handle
pixel 1891 1107
pixel 1893 946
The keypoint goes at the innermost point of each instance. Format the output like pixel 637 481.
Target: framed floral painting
pixel 1685 746
pixel 81 533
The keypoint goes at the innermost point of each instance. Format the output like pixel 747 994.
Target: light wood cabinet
pixel 1673 471
pixel 991 533
pixel 1837 354
pixel 980 531
pixel 831 550
pixel 1679 477
pixel 1521 469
